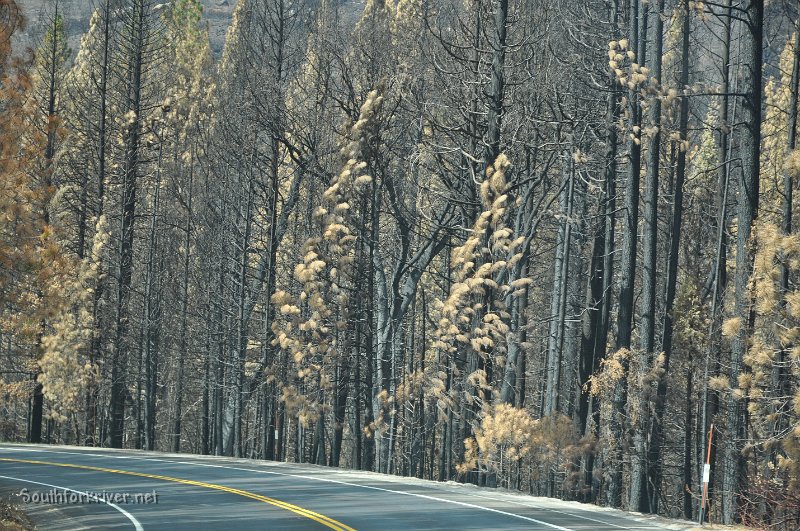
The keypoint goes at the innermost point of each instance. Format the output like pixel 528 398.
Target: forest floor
pixel 683 525
pixel 13 519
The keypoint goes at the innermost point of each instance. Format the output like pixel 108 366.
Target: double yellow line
pixel 322 519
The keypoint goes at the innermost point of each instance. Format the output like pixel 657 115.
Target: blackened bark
pixel 627 272
pixel 641 495
pixel 119 368
pixel 674 248
pixel 497 89
pixel 751 85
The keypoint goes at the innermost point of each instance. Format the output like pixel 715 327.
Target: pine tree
pixel 474 320
pixel 315 334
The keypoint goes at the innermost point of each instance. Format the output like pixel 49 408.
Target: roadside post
pixel 706 476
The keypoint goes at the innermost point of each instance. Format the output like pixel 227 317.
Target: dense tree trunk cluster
pixel 487 242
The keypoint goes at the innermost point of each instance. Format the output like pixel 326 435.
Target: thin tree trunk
pixel 610 207
pixel 119 367
pixel 736 421
pixel 95 354
pixel 553 388
pixel 183 343
pixel 687 446
pixel 151 317
pixel 641 494
pixel 627 274
pixel 654 474
pixel 710 401
pixel 497 89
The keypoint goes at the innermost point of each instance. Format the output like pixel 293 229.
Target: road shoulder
pixel 12 517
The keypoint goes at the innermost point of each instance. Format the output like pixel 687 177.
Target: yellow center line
pixel 322 519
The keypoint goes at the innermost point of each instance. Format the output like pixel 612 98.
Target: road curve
pixel 198 492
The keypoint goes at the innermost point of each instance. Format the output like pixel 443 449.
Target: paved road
pixel 221 493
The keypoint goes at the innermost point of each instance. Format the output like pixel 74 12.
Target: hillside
pixel 77 13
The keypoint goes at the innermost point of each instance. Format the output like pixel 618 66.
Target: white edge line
pixel 129 516
pixel 549 509
pixel 257 471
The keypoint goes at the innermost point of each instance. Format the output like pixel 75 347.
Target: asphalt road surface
pixel 86 488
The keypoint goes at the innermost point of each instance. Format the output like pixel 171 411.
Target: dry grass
pixel 12 519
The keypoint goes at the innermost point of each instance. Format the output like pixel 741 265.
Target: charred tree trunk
pixel 184 335
pixel 119 366
pixel 654 474
pixel 641 495
pixel 558 330
pixel 736 421
pixel 627 271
